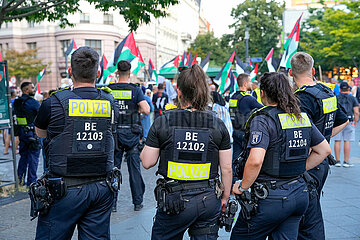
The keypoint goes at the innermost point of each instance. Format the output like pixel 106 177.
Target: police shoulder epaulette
pixel 106 89
pixel 170 106
pixel 302 88
pixel 61 89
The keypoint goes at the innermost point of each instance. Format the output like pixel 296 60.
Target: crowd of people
pixel 267 144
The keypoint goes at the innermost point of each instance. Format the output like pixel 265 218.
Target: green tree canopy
pixel 134 12
pixel 24 65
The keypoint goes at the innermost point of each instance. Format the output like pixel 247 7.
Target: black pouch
pixel 174 203
pixel 331 160
pixel 57 187
pixel 34 143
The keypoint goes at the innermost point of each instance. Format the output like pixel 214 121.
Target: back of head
pixel 301 64
pixel 84 65
pixel 242 79
pixel 194 88
pixel 123 68
pixel 160 86
pixel 344 87
pixel 277 89
pixel 25 85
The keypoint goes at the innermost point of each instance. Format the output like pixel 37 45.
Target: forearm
pixel 41 132
pixel 313 160
pixel 226 180
pixel 339 128
pixel 251 172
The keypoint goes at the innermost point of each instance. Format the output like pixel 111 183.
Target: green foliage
pixel 24 64
pixel 134 12
pixel 332 36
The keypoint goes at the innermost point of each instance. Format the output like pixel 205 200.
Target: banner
pixel 4 104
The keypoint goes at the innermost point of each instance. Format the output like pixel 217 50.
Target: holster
pixel 249 206
pixel 331 160
pixel 311 185
pixel 114 179
pixel 170 202
pixel 227 218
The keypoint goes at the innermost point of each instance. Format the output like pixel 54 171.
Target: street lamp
pixel 247 36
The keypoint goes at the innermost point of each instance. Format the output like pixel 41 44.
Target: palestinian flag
pixel 126 51
pixel 1 59
pixel 170 65
pixel 193 61
pixel 152 72
pixel 39 77
pixel 233 83
pixel 137 63
pixel 240 66
pixel 251 65
pixel 205 62
pixel 188 59
pixel 103 65
pixel 223 76
pixel 71 48
pixel 182 63
pixel 254 73
pixel 291 45
pixel 268 60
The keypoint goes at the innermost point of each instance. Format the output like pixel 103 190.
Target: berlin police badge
pixel 256 137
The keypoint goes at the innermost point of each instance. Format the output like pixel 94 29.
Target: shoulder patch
pixel 256 137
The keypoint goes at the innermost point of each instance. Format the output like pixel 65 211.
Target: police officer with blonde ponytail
pixel 192 144
pixel 273 192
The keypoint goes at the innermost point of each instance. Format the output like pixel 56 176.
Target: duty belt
pixel 175 186
pixel 278 183
pixel 78 181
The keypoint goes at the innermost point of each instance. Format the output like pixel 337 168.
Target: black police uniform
pixel 80 150
pixel 25 109
pixel 240 106
pixel 321 105
pixel 189 143
pixel 128 136
pixel 287 142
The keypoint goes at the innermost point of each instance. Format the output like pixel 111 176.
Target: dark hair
pixel 123 68
pixel 24 85
pixel 242 79
pixel 160 86
pixel 13 93
pixel 278 90
pixel 85 64
pixel 194 88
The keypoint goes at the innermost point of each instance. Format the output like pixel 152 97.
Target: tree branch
pixel 33 12
pixel 7 4
pixel 35 6
pixel 16 5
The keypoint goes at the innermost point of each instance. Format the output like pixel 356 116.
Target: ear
pixel 313 71
pixel 179 93
pixel 290 73
pixel 98 73
pixel 262 93
pixel 70 71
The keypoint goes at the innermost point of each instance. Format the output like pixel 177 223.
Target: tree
pixel 205 43
pixel 24 65
pixel 263 18
pixel 134 12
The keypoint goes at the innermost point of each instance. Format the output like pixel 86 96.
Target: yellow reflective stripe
pixel 21 121
pixel 233 102
pixel 89 108
pixel 329 105
pixel 122 94
pixel 188 171
pixel 287 121
pixel 302 88
pixel 258 97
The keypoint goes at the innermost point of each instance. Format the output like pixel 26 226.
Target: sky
pixel 217 12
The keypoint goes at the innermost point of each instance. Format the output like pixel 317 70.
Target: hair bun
pixel 123 66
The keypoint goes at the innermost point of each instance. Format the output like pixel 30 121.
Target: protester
pixel 160 99
pixel 347 135
pixel 146 119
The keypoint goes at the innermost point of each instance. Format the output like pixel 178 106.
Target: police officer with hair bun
pixel 131 102
pixel 273 192
pixel 192 144
pixel 79 188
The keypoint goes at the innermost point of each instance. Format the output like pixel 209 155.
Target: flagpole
pixel 66 67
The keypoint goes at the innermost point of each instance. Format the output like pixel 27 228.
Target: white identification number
pixel 89 136
pixel 297 143
pixel 190 146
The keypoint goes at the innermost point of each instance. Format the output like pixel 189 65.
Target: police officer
pixel 279 138
pixel 256 91
pixel 192 144
pixel 26 108
pixel 320 104
pixel 131 102
pixel 240 106
pixel 79 149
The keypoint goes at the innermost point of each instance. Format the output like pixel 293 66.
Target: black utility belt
pixel 72 182
pixel 176 186
pixel 274 184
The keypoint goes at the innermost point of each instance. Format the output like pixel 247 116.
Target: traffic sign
pixel 256 59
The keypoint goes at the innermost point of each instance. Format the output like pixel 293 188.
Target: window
pixel 108 19
pixel 31 24
pixel 94 44
pixel 64 46
pixel 84 18
pixel 31 45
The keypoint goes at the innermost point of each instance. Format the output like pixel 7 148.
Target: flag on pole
pixel 193 60
pixel 173 64
pixel 254 72
pixel 291 45
pixel 222 79
pixel 268 60
pixel 233 83
pixel 71 48
pixel 126 51
pixel 205 62
pixel 182 63
pixel 39 77
pixel 240 67
pixel 152 72
pixel 251 65
pixel 1 59
pixel 138 63
pixel 103 65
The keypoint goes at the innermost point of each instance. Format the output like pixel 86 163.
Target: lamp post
pixel 247 45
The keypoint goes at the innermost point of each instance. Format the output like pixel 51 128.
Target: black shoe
pixel 138 207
